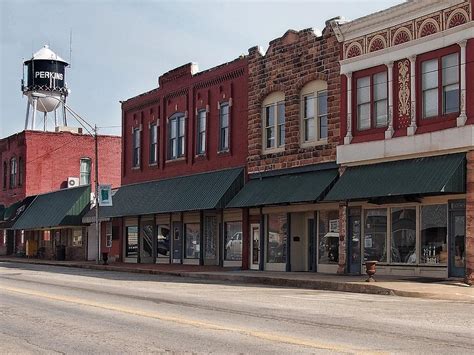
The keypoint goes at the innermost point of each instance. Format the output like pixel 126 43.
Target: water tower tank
pixel 45 83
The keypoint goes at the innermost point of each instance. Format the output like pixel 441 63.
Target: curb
pixel 324 285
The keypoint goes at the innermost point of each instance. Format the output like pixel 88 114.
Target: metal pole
pixel 27 114
pixel 97 229
pixel 35 106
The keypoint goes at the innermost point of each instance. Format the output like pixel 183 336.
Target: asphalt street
pixel 49 309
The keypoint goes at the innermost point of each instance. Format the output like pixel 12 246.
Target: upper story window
pixel 153 156
pixel 440 88
pixel 13 172
pixel 372 101
pixel 314 110
pixel 176 136
pixel 136 147
pixel 5 174
pixel 21 169
pixel 224 127
pixel 274 121
pixel 85 172
pixel 201 132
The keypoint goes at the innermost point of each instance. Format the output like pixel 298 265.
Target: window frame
pixel 153 146
pixel 314 89
pixel 180 136
pixel 201 134
pixel 275 100
pixel 5 174
pixel 371 72
pixel 436 55
pixel 136 146
pixel 88 172
pixel 226 129
pixel 13 172
pixel 21 171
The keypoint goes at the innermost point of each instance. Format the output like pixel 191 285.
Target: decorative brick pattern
pixel 342 239
pixel 289 63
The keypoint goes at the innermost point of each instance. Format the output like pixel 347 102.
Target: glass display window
pixel 328 248
pixel 192 241
pixel 277 234
pixel 375 235
pixel 403 235
pixel 233 241
pixel 433 234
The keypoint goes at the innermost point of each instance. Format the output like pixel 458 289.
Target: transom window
pixel 201 132
pixel 176 136
pixel 372 101
pixel 224 127
pixel 136 147
pixel 314 110
pixel 440 89
pixel 153 143
pixel 274 121
pixel 85 172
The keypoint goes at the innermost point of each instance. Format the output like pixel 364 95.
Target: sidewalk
pixel 447 290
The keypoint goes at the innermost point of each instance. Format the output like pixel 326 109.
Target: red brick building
pixel 293 127
pixel 37 162
pixel 407 133
pixel 184 149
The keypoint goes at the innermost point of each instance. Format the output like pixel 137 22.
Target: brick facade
pixel 186 91
pixel 49 158
pixel 292 61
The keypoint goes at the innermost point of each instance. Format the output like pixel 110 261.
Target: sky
pixel 120 48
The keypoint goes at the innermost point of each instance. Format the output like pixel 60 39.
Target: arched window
pixel 273 122
pixel 176 136
pixel 314 112
pixel 13 172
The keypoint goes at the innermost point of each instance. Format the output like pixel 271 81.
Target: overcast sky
pixel 120 48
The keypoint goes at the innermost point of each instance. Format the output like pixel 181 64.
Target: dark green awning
pixel 422 176
pixel 14 211
pixel 288 188
pixel 59 208
pixel 203 191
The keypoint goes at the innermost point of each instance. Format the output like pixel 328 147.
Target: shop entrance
pixel 311 244
pixel 354 239
pixel 177 242
pixel 299 242
pixel 457 239
pixel 255 248
pixel 146 240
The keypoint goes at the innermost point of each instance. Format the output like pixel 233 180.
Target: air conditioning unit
pixel 72 182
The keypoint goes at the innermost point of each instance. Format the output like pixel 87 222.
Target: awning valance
pixel 422 176
pixel 300 187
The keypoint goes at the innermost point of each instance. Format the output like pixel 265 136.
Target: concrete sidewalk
pixel 448 290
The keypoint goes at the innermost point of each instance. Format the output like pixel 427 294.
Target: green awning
pixel 196 192
pixel 287 188
pixel 14 211
pixel 59 208
pixel 422 176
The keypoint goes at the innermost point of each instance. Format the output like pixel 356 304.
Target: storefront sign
pixel 105 195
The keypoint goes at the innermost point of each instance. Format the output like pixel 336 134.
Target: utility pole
pixel 97 228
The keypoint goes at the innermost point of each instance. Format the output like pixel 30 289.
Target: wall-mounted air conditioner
pixel 72 181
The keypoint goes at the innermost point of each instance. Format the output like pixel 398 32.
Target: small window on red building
pixel 5 174
pixel 153 159
pixel 201 132
pixel 20 171
pixel 440 89
pixel 136 147
pixel 372 101
pixel 224 127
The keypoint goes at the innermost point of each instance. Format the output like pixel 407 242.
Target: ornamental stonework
pixel 408 31
pixel 403 93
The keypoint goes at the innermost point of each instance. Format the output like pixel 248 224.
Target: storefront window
pixel 434 227
pixel 210 237
pixel 163 242
pixel 328 237
pixel 276 238
pixel 233 241
pixel 404 235
pixel 146 248
pixel 132 242
pixel 77 238
pixel 375 235
pixel 192 241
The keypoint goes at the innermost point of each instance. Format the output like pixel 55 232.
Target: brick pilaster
pixel 470 219
pixel 342 239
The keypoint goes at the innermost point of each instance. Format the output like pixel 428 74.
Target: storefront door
pixel 311 245
pixel 457 243
pixel 177 242
pixel 354 238
pixel 146 240
pixel 255 247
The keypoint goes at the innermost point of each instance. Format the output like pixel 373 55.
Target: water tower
pixel 45 87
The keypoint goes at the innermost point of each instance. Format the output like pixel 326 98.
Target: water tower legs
pixel 27 114
pixel 64 114
pixel 44 121
pixel 55 118
pixel 35 106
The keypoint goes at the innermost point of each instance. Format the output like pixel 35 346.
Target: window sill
pixel 223 153
pixel 273 151
pixel 135 167
pixel 177 160
pixel 314 143
pixel 152 164
pixel 202 156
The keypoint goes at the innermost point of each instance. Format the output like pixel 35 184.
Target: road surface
pixel 48 309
